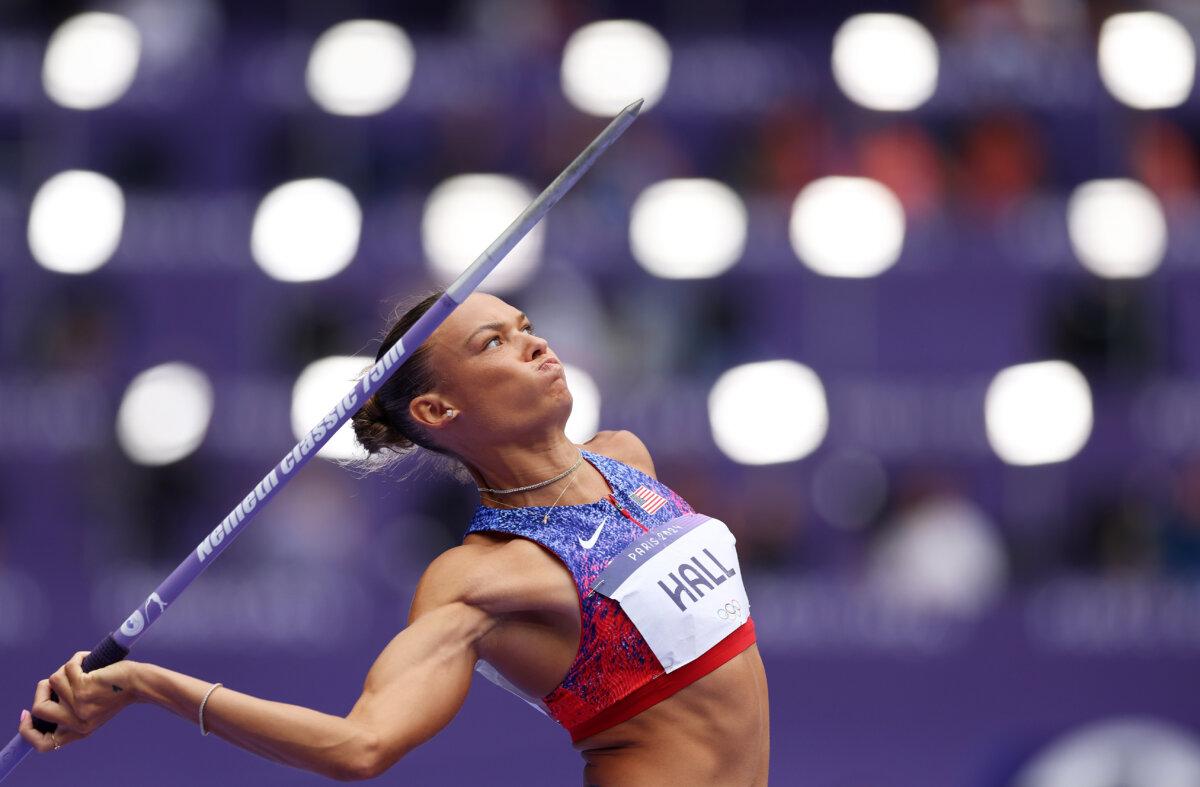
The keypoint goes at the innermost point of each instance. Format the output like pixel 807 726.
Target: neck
pixel 507 466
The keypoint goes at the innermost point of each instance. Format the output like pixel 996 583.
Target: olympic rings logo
pixel 731 610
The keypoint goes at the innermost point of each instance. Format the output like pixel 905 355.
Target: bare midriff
pixel 713 731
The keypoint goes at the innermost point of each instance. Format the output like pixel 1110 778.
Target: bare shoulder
pixel 624 446
pixel 498 574
pixel 449 578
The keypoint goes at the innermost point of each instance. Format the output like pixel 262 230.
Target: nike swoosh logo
pixel 591 542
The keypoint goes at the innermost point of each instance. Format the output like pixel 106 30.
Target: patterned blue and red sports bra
pixel 661 600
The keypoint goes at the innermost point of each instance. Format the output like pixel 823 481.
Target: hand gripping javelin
pixel 117 645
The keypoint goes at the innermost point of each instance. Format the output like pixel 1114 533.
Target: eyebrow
pixel 495 326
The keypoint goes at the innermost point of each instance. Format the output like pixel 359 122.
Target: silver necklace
pixel 538 485
pixel 546 518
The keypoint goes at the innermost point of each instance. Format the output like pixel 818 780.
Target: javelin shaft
pixel 117 644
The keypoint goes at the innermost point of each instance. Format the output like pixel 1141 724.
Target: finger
pixel 31 736
pixel 59 714
pixel 76 684
pixel 42 742
pixel 64 690
pixel 61 711
pixel 62 738
pixel 74 669
pixel 41 693
pixel 55 700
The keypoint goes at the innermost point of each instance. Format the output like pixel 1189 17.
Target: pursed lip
pixel 548 363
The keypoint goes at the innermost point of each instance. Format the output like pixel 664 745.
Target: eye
pixel 496 340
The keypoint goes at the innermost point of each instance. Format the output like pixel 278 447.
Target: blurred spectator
pixel 1054 20
pixel 73 327
pixel 1164 158
pixel 1104 327
pixel 1115 538
pixel 1001 160
pixel 1180 536
pixel 906 159
pixel 793 142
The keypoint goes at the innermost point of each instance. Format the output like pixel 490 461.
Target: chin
pixel 565 403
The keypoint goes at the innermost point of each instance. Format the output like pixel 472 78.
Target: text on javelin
pixel 295 457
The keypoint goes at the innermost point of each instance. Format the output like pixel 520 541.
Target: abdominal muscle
pixel 715 730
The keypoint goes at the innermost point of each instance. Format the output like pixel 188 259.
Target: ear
pixel 432 411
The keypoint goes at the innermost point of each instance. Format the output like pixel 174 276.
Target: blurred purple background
pixel 959 577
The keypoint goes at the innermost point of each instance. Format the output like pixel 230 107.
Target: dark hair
pixel 383 423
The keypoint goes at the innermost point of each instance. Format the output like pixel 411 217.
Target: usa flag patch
pixel 649 500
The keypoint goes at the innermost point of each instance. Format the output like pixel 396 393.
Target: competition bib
pixel 681 586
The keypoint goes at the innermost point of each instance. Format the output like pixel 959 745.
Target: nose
pixel 537 347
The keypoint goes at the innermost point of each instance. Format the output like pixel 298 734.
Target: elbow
pixel 356 771
pixel 366 760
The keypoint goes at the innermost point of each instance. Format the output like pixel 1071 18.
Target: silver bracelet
pixel 204 702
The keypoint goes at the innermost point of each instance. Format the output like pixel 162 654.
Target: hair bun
pixel 383 425
pixel 374 429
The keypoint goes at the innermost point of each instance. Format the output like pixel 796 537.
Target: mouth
pixel 549 364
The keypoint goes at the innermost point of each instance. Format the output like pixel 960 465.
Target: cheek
pixel 494 386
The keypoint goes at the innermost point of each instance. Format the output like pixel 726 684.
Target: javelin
pixel 117 644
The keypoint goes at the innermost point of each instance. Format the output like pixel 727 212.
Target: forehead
pixel 478 309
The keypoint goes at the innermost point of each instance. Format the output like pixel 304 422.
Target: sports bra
pixel 616 673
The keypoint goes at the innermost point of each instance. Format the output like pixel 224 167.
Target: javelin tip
pixel 635 107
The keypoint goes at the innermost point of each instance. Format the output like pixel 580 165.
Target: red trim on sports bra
pixel 658 689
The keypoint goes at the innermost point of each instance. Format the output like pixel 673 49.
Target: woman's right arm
pixel 415 687
pixel 290 734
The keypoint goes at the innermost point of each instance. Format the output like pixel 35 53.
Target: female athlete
pixel 663 685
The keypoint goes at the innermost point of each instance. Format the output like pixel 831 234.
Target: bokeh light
pixel 75 221
pixel 1117 228
pixel 1038 413
pixel 1132 751
pixel 687 228
pixel 850 227
pixel 306 230
pixel 768 412
pixel 317 391
pixel 360 67
pixel 608 65
pixel 464 214
pixel 885 61
pixel 1147 60
pixel 585 405
pixel 91 60
pixel 942 555
pixel 164 414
